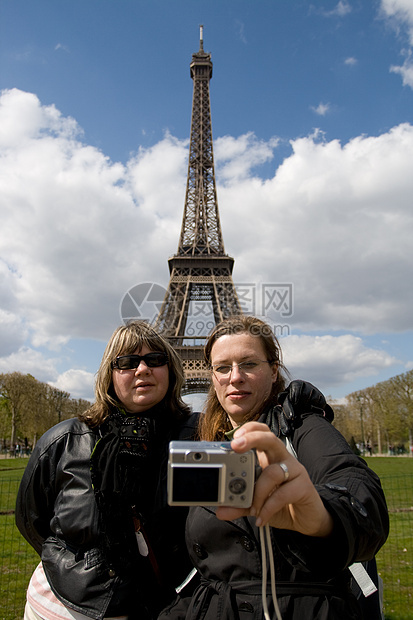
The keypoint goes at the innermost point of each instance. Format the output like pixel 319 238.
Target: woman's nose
pixel 236 375
pixel 142 368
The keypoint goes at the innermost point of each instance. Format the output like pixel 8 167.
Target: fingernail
pixel 258 522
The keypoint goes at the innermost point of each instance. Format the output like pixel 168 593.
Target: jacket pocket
pixel 93 557
pixel 79 579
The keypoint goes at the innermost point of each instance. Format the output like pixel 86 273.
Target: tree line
pixel 377 419
pixel 29 407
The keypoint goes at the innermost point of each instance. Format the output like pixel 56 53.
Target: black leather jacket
pixel 57 514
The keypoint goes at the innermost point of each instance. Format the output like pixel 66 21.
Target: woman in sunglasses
pixel 92 501
pixel 324 507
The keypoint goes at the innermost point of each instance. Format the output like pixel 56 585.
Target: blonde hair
pixel 214 423
pixel 125 340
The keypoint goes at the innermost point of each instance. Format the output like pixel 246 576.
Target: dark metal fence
pixel 395 559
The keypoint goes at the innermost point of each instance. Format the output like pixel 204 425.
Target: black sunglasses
pixel 152 360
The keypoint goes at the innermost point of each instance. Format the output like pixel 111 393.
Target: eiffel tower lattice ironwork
pixel 200 271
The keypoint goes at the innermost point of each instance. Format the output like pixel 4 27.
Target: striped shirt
pixel 46 605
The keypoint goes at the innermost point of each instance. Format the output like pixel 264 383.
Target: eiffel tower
pixel 200 271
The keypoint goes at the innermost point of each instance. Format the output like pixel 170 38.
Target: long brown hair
pixel 124 341
pixel 214 422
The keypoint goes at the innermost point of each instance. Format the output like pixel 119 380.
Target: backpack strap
pixel 362 578
pixel 300 397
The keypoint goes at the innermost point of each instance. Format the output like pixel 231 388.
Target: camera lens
pixel 197 456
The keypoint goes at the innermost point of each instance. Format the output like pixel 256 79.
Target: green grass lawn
pixel 395 559
pixel 17 558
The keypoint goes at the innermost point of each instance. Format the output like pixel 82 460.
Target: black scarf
pixel 125 472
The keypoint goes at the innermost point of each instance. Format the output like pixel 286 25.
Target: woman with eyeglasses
pixel 324 507
pixel 92 501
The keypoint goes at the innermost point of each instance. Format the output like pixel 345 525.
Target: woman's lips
pixel 238 395
pixel 144 386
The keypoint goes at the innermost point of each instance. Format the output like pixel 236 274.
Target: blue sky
pixel 312 121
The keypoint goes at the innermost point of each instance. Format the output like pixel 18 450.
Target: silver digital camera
pixel 209 473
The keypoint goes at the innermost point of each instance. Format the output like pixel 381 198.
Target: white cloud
pixel 12 332
pixel 78 383
pixel 321 109
pixel 330 361
pixel 236 157
pixel 29 361
pixel 351 61
pixel 74 223
pixel 341 9
pixel 406 71
pixel 335 221
pixel 400 12
pixel 23 120
pixel 60 46
pixel 400 15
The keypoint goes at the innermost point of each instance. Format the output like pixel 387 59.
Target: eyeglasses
pixel 251 367
pixel 152 360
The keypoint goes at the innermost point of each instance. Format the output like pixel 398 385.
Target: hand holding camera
pixel 283 501
pixel 210 473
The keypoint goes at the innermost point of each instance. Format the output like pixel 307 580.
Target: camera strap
pixel 185 582
pixel 266 547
